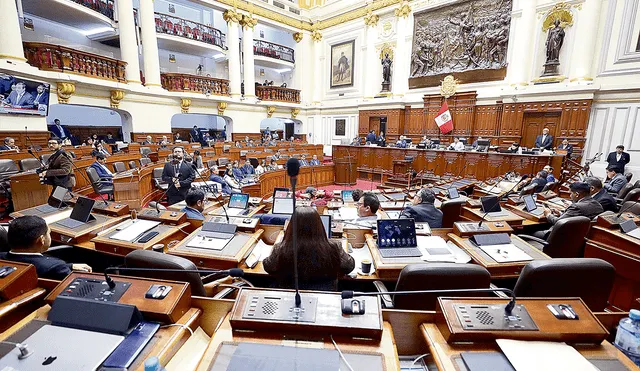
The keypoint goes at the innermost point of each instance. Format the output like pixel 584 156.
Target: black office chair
pixel 549 186
pixel 588 278
pixel 44 158
pixel 4 242
pixel 145 161
pixel 222 161
pixel 633 195
pixel 628 176
pixel 623 192
pixel 7 168
pixel 157 179
pixel 566 240
pixel 434 276
pixel 98 184
pixel 145 151
pixel 119 167
pixel 451 210
pixel 27 164
pixel 631 207
pixel 133 165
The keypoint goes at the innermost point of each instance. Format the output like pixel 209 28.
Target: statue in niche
pixel 555 38
pixel 386 68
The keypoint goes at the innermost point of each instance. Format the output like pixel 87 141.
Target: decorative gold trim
pixel 560 11
pixel 185 103
pixel 316 36
pixel 134 81
pixel 248 22
pixel 65 90
pixel 523 83
pixel 147 84
pixel 581 79
pixel 232 15
pixel 386 48
pixel 116 97
pixel 371 19
pixel 221 107
pixel 294 112
pixel 297 37
pixel 7 56
pixel 270 111
pixel 549 79
pixel 403 11
pixel 449 86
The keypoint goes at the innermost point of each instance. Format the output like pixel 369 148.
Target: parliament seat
pixel 222 161
pixel 451 210
pixel 145 151
pixel 632 195
pixel 4 242
pixel 549 186
pixel 211 163
pixel 96 183
pixel 588 278
pixel 434 276
pixel 27 164
pixel 157 179
pixel 44 158
pixel 631 207
pixel 119 167
pixel 623 192
pixel 145 161
pixel 629 176
pixel 566 240
pixel 133 165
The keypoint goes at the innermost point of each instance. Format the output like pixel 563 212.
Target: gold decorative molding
pixel 185 103
pixel 232 15
pixel 550 79
pixel 270 111
pixel 116 97
pixel 297 37
pixel 386 48
pixel 248 22
pixel 7 56
pixel 294 112
pixel 448 86
pixel 316 35
pixel 561 12
pixel 221 107
pixel 371 19
pixel 65 91
pixel 403 11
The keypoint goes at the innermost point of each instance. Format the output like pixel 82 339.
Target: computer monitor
pixel 82 209
pixel 490 204
pixel 484 143
pixel 453 193
pixel 421 145
pixel 396 233
pixel 347 195
pixel 326 222
pixel 435 141
pixel 238 201
pixel 463 140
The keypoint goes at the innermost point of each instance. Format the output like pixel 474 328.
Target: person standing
pixel 58 131
pixel 618 159
pixel 544 141
pixel 58 171
pixel 565 146
pixel 179 176
pixel 195 134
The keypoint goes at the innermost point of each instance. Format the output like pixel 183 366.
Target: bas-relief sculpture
pixel 466 39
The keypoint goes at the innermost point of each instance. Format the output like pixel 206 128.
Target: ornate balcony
pixel 278 94
pixel 193 83
pixel 104 7
pixel 275 51
pixel 49 57
pixel 171 25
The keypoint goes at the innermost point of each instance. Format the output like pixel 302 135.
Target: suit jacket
pixel 613 161
pixel 304 163
pixel 371 137
pixel 195 135
pixel 248 170
pixel 5 148
pixel 540 183
pixel 43 99
pixel 237 173
pixel 424 213
pixel 314 162
pixel 102 173
pixel 185 176
pixel 615 184
pixel 547 143
pixel 56 133
pixel 60 170
pixel 568 148
pixel 585 207
pixel 25 100
pixel 606 200
pixel 220 180
pixel 46 266
pixel 192 213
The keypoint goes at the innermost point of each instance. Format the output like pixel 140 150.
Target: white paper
pixel 209 243
pixel 429 245
pixel 348 213
pixel 505 253
pixel 262 250
pixel 137 228
pixel 543 355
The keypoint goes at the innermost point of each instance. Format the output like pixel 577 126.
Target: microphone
pixel 233 272
pixel 293 169
pixel 524 177
pixel 623 210
pixel 461 170
pixel 348 294
pixel 223 208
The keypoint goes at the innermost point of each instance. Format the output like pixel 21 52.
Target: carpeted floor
pixel 364 185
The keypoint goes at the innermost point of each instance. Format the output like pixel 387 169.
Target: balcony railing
pixel 49 57
pixel 192 83
pixel 104 7
pixel 170 25
pixel 278 94
pixel 271 50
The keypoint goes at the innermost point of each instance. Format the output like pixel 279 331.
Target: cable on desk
pixel 179 325
pixel 416 360
pixel 340 352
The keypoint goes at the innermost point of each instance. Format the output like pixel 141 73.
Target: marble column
pixel 318 66
pixel 128 46
pixel 302 71
pixel 11 40
pixel 149 44
pixel 399 70
pixel 248 23
pixel 583 54
pixel 526 29
pixel 233 51
pixel 372 67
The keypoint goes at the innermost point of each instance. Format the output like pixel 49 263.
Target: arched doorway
pixel 285 127
pixel 218 127
pixel 83 121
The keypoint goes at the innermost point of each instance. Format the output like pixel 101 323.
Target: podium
pixel 27 191
pixel 135 187
pixel 346 170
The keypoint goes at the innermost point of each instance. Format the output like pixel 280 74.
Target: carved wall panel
pixel 468 40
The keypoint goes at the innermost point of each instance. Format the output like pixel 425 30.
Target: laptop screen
pixel 490 204
pixel 453 193
pixel 529 203
pixel 239 201
pixel 396 233
pixel 82 209
pixel 347 196
pixel 282 206
pixel 326 222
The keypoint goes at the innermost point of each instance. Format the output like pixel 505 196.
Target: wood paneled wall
pixel 38 138
pixel 157 137
pixel 503 123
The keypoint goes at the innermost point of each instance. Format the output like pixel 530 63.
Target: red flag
pixel 444 119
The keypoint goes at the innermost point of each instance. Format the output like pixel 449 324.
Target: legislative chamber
pixel 326 185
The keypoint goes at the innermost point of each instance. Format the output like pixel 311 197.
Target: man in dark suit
pixel 195 134
pixel 618 159
pixel 28 238
pixel 597 193
pixel 371 137
pixel 539 181
pixel 314 161
pixel 42 96
pixel 566 147
pixel 59 167
pixel 9 144
pixel 248 169
pixel 58 131
pixel 423 209
pixel 215 177
pixel 110 139
pixel 20 97
pixel 615 180
pixel 178 175
pixel 303 161
pixel 544 141
pixel 100 166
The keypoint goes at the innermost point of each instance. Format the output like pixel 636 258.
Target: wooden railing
pixel 104 7
pixel 172 25
pixel 276 93
pixel 273 50
pixel 200 84
pixel 49 57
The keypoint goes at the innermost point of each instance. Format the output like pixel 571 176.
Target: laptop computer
pixel 282 202
pixel 630 228
pixel 531 206
pixel 55 201
pixel 238 203
pixel 326 222
pixel 80 215
pixel 397 238
pixel 347 195
pixel 80 350
pixel 491 206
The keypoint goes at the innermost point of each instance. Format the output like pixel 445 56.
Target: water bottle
pixel 153 364
pixel 628 336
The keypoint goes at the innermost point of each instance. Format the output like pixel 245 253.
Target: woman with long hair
pixel 320 260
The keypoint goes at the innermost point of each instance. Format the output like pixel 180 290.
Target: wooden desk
pixel 165 216
pixel 623 252
pixel 27 191
pixel 85 232
pixel 23 279
pixel 498 270
pixel 520 210
pixel 135 187
pixel 315 176
pixel 476 214
pixel 462 228
pixel 167 235
pixel 215 259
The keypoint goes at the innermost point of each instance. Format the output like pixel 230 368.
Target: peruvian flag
pixel 444 119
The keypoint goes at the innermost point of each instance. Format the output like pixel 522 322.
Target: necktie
pixel 18 99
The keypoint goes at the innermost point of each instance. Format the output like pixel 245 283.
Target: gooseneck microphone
pixel 233 272
pixel 293 169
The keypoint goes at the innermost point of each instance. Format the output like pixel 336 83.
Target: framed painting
pixel 342 64
pixel 341 126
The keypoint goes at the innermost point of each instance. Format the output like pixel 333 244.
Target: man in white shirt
pixel 368 206
pixel 457 145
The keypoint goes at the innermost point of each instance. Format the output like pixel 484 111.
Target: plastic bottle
pixel 628 336
pixel 153 364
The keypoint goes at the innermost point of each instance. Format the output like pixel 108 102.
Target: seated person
pixel 355 142
pixel 423 209
pixel 319 197
pixel 582 205
pixel 237 144
pixel 549 170
pixel 195 204
pixel 320 261
pixel 357 194
pixel 597 193
pixel 475 143
pixel 514 148
pixel 540 181
pixel 273 166
pixel 89 142
pixel 9 144
pixel 262 167
pixel 232 182
pixel 100 166
pixel 457 145
pixel 248 169
pixel 314 161
pixel 215 177
pixel 28 238
pixel 303 161
pixel 110 139
pixel 615 180
pixel 368 206
pixel 100 150
pixel 148 141
pixel 402 142
pixel 236 171
pixel 566 147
